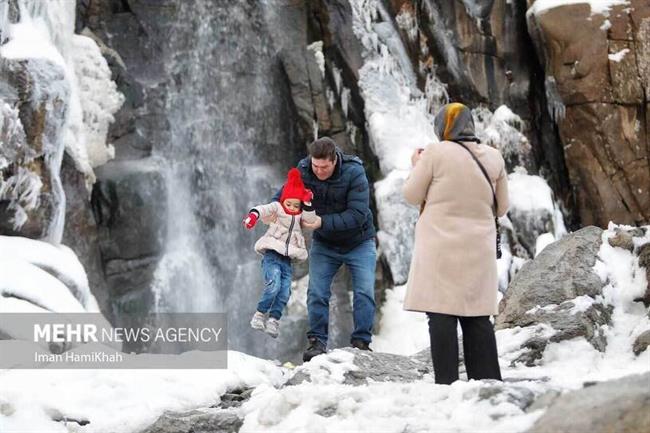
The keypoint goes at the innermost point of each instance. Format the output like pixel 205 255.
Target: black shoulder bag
pixel 494 196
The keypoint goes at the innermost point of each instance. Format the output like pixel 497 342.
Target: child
pixel 282 242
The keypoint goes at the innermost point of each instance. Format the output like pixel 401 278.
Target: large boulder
pixel 558 290
pixel 562 272
pixel 130 206
pixel 594 60
pixel 614 406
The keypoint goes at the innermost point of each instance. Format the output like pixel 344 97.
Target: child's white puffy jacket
pixel 284 235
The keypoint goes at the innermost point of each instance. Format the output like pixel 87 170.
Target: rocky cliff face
pixel 596 67
pixel 222 96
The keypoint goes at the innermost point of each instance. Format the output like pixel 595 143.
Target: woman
pixel 453 275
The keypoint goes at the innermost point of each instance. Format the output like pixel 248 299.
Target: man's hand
pixel 316 224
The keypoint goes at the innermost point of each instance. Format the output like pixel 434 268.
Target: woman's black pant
pixel 479 347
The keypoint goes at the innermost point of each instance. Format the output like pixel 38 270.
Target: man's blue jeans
pixel 324 262
pixel 276 271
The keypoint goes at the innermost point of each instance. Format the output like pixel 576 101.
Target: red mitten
pixel 307 196
pixel 250 220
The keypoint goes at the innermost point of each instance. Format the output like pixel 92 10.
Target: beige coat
pixel 284 235
pixel 454 269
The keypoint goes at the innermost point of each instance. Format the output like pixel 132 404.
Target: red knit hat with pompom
pixel 293 188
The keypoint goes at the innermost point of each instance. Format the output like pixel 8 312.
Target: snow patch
pixel 317 49
pixel 529 193
pixel 618 57
pixel 391 337
pixel 600 7
pixel 58 260
pixel 122 400
pixel 543 241
pixel 328 368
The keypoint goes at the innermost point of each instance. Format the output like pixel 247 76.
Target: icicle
pixel 345 99
pixel 336 72
pixel 556 107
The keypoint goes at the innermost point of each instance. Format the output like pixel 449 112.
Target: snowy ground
pixel 129 400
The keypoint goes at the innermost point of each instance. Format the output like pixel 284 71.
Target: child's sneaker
pixel 272 327
pixel 258 321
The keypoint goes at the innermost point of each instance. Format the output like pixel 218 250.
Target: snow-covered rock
pixel 562 272
pixel 504 130
pixel 212 419
pixel 532 211
pixel 360 367
pixel 39 277
pixel 52 276
pixel 580 287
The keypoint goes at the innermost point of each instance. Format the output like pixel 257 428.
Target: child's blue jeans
pixel 276 271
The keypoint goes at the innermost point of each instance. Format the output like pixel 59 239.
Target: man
pixel 343 234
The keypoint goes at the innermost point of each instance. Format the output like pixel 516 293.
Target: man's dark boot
pixel 315 348
pixel 361 345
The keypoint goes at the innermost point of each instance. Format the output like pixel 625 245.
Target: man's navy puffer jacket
pixel 342 201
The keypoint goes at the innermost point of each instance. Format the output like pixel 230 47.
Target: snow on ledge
pixel 529 193
pixel 601 7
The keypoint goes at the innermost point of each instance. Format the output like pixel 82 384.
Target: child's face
pixel 293 204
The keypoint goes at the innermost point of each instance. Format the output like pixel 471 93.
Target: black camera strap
pixel 495 204
pixel 487 177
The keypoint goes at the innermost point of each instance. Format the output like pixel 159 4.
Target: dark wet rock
pixel 528 225
pixel 534 350
pixel 129 201
pixel 197 421
pixel 641 343
pixel 643 252
pixel 614 406
pixel 80 232
pixel 130 209
pixel 234 398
